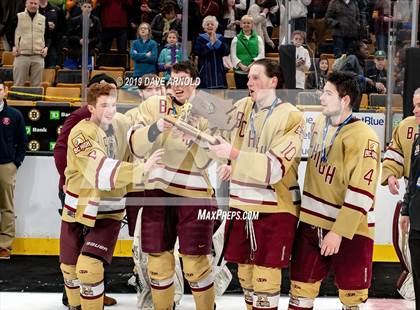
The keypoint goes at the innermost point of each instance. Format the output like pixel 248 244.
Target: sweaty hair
pixel 100 89
pixel 187 67
pixel 272 68
pixel 346 84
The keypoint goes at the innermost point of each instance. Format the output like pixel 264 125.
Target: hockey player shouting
pixel 264 153
pixel 336 228
pixel 96 180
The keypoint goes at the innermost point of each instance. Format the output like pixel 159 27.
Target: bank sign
pixel 374 120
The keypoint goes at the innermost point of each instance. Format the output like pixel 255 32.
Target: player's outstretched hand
pixel 223 149
pixel 330 244
pixel 152 161
pixel 163 125
pixel 224 172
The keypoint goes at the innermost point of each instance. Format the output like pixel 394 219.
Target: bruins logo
pixel 34 115
pixel 59 129
pixel 34 145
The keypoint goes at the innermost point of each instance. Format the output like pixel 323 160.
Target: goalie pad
pixel 404 284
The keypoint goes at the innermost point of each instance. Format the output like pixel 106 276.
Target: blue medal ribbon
pixel 324 154
pixel 251 119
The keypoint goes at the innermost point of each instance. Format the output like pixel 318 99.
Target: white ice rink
pixel 52 301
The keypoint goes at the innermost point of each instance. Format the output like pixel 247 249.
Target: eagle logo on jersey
pixel 370 151
pixel 80 144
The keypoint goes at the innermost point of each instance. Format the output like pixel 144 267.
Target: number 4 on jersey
pixel 368 176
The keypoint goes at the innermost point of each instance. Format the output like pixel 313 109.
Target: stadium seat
pixel 7 58
pixel 230 80
pixel 34 93
pixel 68 85
pixel 6 74
pixel 308 98
pixel 63 94
pixel 379 100
pixel 48 76
pixel 20 102
pixel 69 76
pixel 56 104
pixel 364 103
pixel 112 60
pixel 117 75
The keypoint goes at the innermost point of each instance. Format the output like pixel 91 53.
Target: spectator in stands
pixel 377 73
pixel 144 51
pixel 114 23
pixel 31 45
pixel 13 142
pixel 399 73
pixel 74 8
pixel 55 21
pixel 210 8
pixel 210 48
pixel 229 22
pixel 60 156
pixel 343 18
pixel 303 60
pixel 298 14
pixel 259 11
pixel 317 78
pixel 165 21
pixel 74 40
pixel 148 10
pixel 246 47
pixel 12 9
pixel 61 4
pixel 194 18
pixel 170 55
pixel 355 62
pixel 316 25
pixel 382 18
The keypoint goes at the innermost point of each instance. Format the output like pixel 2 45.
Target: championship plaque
pixel 190 130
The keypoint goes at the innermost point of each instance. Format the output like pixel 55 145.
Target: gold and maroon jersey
pixel 184 171
pixel 96 175
pixel 341 177
pixel 264 176
pixel 398 154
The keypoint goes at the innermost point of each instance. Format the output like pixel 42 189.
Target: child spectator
pixel 303 61
pixel 318 78
pixel 74 41
pixel 144 51
pixel 171 54
pixel 164 22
